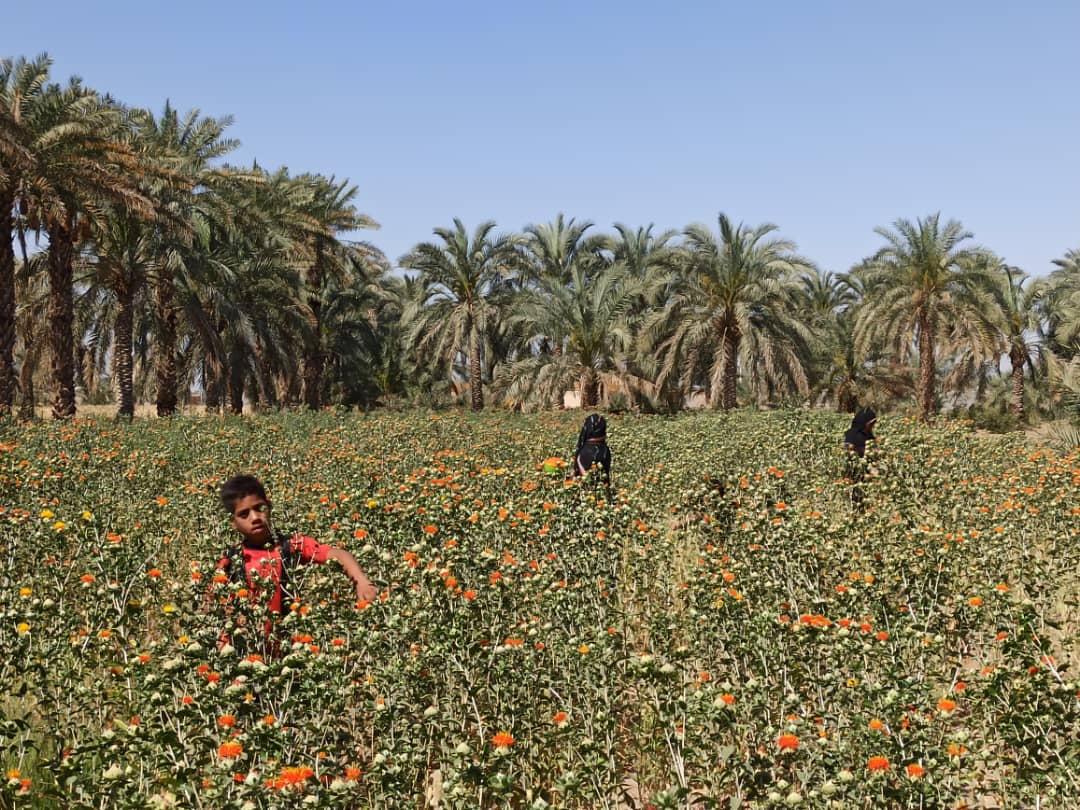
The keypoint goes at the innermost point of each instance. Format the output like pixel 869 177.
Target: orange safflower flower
pixel 502 740
pixel 226 721
pixel 788 742
pixel 230 750
pixel 956 750
pixel 877 764
pixel 975 601
pixel 876 725
pixel 946 705
pixel 560 718
pixel 290 777
pixel 86 578
pixel 352 774
pixel 915 771
pixel 154 573
pixel 728 699
pixel 431 529
pixel 470 595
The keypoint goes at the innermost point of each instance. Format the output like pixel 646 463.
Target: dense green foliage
pixel 538 644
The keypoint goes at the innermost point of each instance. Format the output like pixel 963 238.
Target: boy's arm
pixel 365 591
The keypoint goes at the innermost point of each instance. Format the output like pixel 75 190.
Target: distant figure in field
pixel 592 449
pixel 860 432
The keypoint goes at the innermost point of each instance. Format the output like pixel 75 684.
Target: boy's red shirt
pixel 263 564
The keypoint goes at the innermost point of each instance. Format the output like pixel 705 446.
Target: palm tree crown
pixel 467 278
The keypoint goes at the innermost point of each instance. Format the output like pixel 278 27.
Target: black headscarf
pixel 861 431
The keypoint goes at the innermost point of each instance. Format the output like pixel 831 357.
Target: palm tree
pixel 827 302
pixel 651 258
pixel 31 327
pixel 1059 304
pixel 204 195
pixel 1017 317
pixel 120 264
pixel 398 369
pixel 21 82
pixel 468 293
pixel 922 278
pixel 80 166
pixel 592 313
pixel 351 316
pixel 733 302
pixel 554 248
pixel 825 295
pixel 329 207
pixel 640 251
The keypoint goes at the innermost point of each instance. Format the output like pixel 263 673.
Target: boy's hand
pixel 366 592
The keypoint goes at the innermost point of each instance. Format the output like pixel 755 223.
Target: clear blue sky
pixel 826 118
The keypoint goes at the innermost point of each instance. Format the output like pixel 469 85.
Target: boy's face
pixel 251 517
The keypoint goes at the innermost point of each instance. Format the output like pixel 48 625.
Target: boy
pixel 266 555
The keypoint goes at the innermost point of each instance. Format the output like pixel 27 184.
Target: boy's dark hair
pixel 240 486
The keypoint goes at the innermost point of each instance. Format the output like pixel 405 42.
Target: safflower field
pixel 722 629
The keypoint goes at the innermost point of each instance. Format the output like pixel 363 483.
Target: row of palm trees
pixel 656 317
pixel 160 268
pixel 159 257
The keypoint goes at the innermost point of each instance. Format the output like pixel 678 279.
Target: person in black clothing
pixel 860 432
pixel 592 449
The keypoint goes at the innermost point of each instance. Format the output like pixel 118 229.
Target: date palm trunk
pixel 236 382
pixel 590 389
pixel 122 359
pixel 476 383
pixel 267 389
pixel 927 370
pixel 211 387
pixel 31 359
pixel 61 316
pixel 1017 357
pixel 165 358
pixel 730 338
pixel 7 302
pixel 314 359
